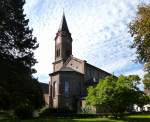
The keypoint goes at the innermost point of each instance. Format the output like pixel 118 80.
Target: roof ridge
pixel 68 59
pixel 79 59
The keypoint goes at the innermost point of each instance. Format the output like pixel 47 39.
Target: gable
pixel 76 64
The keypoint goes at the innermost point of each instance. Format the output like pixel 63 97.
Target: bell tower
pixel 63 41
pixel 63 44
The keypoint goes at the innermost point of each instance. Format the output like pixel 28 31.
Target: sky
pixel 99 30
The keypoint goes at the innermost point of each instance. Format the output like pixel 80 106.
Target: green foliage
pixel 140 30
pixel 146 81
pixel 142 99
pixel 86 110
pixel 116 95
pixel 16 57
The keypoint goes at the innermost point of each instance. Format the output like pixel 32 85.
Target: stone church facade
pixel 71 76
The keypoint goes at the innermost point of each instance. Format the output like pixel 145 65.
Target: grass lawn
pixel 65 120
pixel 131 118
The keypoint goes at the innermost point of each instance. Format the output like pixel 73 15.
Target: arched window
pixel 66 89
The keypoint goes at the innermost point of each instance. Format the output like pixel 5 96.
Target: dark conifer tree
pixel 17 57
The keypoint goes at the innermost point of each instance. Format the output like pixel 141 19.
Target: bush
pixel 87 110
pixel 24 111
pixel 51 111
pixel 47 111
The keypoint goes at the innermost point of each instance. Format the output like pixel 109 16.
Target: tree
pixel 4 99
pixel 142 99
pixel 140 31
pixel 17 57
pixel 115 95
pixel 146 81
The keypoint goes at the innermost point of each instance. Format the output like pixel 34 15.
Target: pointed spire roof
pixel 63 25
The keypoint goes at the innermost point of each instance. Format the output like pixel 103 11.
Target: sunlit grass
pixel 97 120
pixel 140 116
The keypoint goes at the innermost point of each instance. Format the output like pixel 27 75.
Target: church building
pixel 71 76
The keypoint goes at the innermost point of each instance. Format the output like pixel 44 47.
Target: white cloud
pixel 114 66
pixel 99 31
pixel 136 72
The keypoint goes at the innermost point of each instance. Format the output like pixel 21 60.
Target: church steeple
pixel 63 41
pixel 63 25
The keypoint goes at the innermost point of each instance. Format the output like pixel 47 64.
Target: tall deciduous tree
pixel 140 30
pixel 17 57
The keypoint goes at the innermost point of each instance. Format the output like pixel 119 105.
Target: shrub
pixel 24 111
pixel 50 111
pixel 47 111
pixel 86 110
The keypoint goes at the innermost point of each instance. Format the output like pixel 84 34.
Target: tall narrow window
pixel 58 52
pixel 66 89
pixel 54 89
